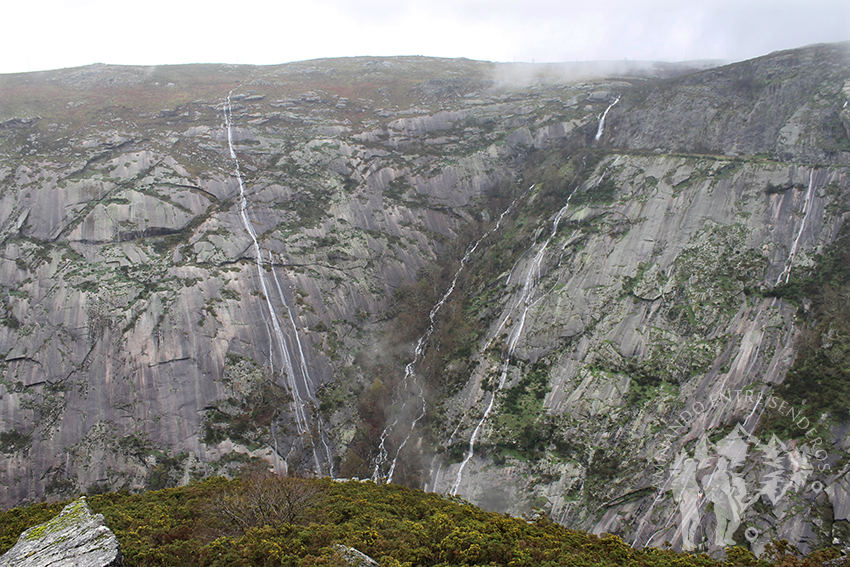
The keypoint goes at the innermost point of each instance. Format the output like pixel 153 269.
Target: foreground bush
pixel 272 521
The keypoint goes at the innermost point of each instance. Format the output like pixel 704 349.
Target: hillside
pixel 394 525
pixel 607 299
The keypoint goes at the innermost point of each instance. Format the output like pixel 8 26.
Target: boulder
pixel 74 538
pixel 354 557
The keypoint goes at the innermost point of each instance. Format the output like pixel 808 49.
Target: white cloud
pixel 47 34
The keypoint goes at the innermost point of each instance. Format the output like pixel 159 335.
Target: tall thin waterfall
pixel 525 301
pixel 301 390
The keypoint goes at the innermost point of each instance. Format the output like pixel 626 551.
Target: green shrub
pixel 297 522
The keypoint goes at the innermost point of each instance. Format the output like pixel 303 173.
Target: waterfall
pixel 807 209
pixel 307 380
pixel 602 119
pixel 529 287
pixel 419 351
pixel 299 404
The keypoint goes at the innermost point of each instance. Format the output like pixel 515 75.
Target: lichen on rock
pixel 75 537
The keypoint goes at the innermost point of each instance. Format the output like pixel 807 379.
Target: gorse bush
pixel 278 521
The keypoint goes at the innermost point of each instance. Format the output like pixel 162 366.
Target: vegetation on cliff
pixel 818 384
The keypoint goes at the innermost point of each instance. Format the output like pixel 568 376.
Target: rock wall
pixel 641 309
pixel 782 105
pixel 139 333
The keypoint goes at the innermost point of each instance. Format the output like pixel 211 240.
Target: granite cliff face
pixel 636 331
pixel 786 106
pixel 447 273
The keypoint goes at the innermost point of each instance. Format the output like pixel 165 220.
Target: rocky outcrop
pixel 74 538
pixel 138 327
pixel 354 557
pixel 783 105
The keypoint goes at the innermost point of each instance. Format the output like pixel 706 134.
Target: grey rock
pixel 520 137
pixel 751 108
pixel 354 557
pixel 687 223
pixel 74 538
pixel 839 496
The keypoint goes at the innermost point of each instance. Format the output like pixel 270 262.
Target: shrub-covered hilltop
pixel 266 520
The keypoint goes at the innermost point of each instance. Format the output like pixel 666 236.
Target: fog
pixel 51 34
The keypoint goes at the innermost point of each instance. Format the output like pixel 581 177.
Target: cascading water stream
pixel 408 376
pixel 305 371
pixel 602 120
pixel 413 423
pixel 302 424
pixel 419 351
pixel 528 288
pixel 807 209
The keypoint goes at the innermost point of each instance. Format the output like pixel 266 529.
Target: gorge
pixel 596 296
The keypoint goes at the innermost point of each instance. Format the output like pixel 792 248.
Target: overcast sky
pixel 51 34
